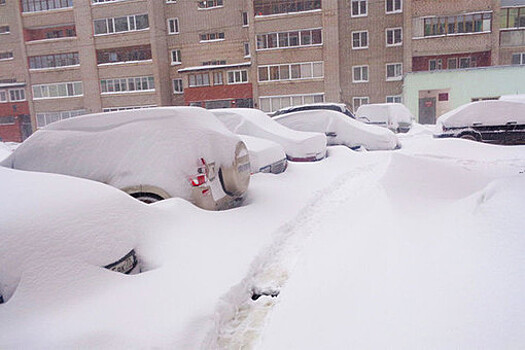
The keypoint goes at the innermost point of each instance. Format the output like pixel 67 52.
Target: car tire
pixel 236 178
pixel 469 137
pixel 147 198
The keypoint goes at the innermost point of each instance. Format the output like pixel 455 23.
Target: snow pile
pixel 492 112
pixel 157 146
pixel 5 151
pixel 253 122
pixel 517 98
pixel 340 129
pixel 262 152
pixel 46 217
pixel 391 115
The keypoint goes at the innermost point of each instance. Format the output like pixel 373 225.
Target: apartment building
pixel 63 58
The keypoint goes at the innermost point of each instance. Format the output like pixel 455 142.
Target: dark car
pixel 498 122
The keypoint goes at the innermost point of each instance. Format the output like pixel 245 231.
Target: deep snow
pixel 415 248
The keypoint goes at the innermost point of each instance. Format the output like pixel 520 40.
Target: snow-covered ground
pixel 421 247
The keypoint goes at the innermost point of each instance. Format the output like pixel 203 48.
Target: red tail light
pixel 198 180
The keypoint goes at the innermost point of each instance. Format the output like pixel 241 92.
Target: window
pixel 2 2
pixel 16 95
pixel 305 37
pixel 464 62
pixel 454 25
pixel 175 57
pixel 120 85
pixel 360 74
pixel 124 54
pixel 212 36
pixel 237 76
pixel 265 7
pixel 3 96
pixel 245 19
pixel 4 29
pixel 44 5
pixel 359 101
pixel 359 8
pixel 173 26
pixel 121 24
pixel 206 4
pixel 171 1
pixel 394 99
pixel 177 86
pixel 512 17
pixel 126 108
pixel 44 118
pixel 452 63
pixel 435 64
pixel 9 120
pixel 394 37
pixel 246 49
pixel 294 71
pixel 7 55
pixel 58 90
pixel 202 79
pixel 273 103
pixel 518 58
pixel 360 40
pixel 393 6
pixel 394 71
pixel 217 78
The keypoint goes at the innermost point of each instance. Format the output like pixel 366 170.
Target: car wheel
pixel 469 137
pixel 236 178
pixel 147 198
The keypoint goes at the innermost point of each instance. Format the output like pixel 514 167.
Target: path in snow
pixel 239 320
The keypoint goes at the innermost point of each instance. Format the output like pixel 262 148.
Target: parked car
pixel 517 98
pixel 298 146
pixel 498 122
pixel 49 216
pixel 265 156
pixel 338 107
pixel 151 154
pixel 341 130
pixel 394 116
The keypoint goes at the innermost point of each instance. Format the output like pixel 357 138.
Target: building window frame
pixel 360 40
pixel 218 78
pixel 45 118
pixel 175 56
pixel 237 76
pixel 394 99
pixel 392 39
pixel 111 26
pixel 393 6
pixel 359 8
pixel 358 101
pixel 211 37
pixel 435 64
pixel 209 4
pixel 57 90
pixel 291 71
pixel 360 74
pixel 178 88
pixel 199 79
pixel 245 19
pixel 276 102
pixel 173 25
pixel 397 70
pixel 4 30
pixel 3 96
pixel 6 56
pixel 518 58
pixel 17 95
pixel 127 85
pixel 29 6
pixel 454 64
pixel 289 39
pixel 247 52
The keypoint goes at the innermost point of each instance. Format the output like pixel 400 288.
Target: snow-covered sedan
pixel 265 156
pixel 151 154
pixel 341 130
pixel 298 146
pixel 394 116
pixel 493 121
pixel 48 217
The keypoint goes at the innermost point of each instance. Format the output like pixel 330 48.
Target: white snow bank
pixel 390 115
pixel 340 129
pixel 492 112
pixel 46 217
pixel 5 151
pixel 253 122
pixel 262 152
pixel 517 98
pixel 427 276
pixel 157 146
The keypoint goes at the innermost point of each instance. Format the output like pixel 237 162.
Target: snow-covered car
pixel 516 98
pixel 265 156
pixel 493 121
pixel 48 216
pixel 341 130
pixel 151 154
pixel 394 116
pixel 5 151
pixel 338 107
pixel 298 146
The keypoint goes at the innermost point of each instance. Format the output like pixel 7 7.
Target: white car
pixel 265 156
pixel 394 116
pixel 298 146
pixel 49 216
pixel 151 154
pixel 341 130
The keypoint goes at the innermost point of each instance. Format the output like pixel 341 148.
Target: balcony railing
pixel 271 7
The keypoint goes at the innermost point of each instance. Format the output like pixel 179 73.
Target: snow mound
pixel 5 151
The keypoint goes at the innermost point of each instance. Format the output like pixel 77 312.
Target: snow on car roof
pixel 340 105
pixel 382 111
pixel 492 112
pixel 517 98
pixel 253 122
pixel 49 216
